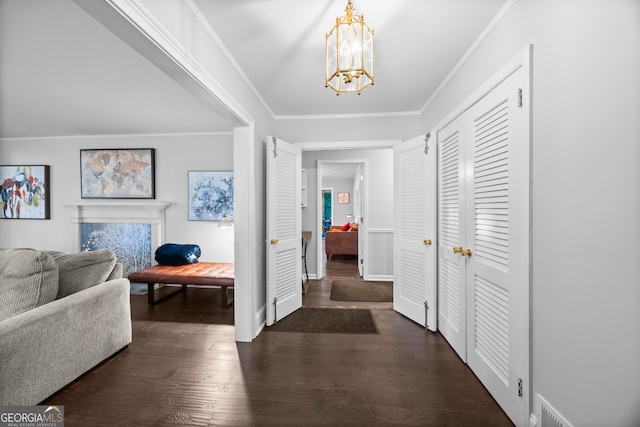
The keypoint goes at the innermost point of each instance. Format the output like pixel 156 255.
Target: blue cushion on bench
pixel 177 254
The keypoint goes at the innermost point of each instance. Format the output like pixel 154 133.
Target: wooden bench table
pixel 201 273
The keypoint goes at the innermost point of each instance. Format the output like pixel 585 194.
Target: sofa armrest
pixel 44 349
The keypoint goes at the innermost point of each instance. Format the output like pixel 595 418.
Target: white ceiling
pixel 62 73
pixel 280 44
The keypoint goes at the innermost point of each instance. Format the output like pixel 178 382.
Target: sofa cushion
pixel 346 227
pixel 28 279
pixel 82 270
pixel 117 272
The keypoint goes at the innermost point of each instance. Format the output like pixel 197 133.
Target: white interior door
pixel 284 229
pixel 361 234
pixel 484 237
pixel 451 234
pixel 414 253
pixel 358 194
pixel 497 270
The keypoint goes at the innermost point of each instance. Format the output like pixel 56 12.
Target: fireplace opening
pixel 130 242
pixel 132 230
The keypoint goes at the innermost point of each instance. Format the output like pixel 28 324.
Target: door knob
pixel 274 241
pixel 426 242
pixel 457 250
pixel 466 252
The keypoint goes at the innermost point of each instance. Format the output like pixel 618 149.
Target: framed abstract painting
pixel 117 173
pixel 24 192
pixel 210 195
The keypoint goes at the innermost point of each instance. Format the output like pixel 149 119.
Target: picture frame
pixel 24 192
pixel 121 173
pixel 343 198
pixel 210 195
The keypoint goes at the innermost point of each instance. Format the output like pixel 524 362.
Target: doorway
pixel 376 168
pixel 327 210
pixel 340 213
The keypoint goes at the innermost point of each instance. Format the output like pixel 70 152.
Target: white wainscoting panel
pixel 380 250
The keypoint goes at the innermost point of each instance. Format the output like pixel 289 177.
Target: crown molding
pixel 476 44
pixel 133 135
pixel 347 145
pixel 218 41
pixel 348 116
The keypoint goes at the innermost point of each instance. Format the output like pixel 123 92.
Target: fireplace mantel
pixel 119 211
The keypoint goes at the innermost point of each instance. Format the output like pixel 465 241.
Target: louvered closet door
pixel 414 274
pixel 451 231
pixel 497 271
pixel 284 271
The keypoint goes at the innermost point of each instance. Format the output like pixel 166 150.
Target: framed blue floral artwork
pixel 210 195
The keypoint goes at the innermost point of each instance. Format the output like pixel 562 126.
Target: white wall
pixel 348 129
pixel 586 204
pixel 175 156
pixel 380 214
pixel 340 210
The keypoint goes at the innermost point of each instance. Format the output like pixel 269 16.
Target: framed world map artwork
pixel 117 173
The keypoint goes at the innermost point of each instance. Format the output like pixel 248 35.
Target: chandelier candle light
pixel 349 54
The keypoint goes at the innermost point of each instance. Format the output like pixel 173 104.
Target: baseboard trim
pixel 260 321
pixel 533 421
pixel 380 277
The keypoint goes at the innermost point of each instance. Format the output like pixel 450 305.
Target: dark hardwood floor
pixel 340 266
pixel 184 368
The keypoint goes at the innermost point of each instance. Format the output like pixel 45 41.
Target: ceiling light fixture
pixel 349 61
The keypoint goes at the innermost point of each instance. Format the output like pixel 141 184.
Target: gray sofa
pixel 60 315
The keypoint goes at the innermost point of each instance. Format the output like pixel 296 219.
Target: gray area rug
pixel 359 290
pixel 327 320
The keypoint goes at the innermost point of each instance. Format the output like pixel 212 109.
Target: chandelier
pixel 349 59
